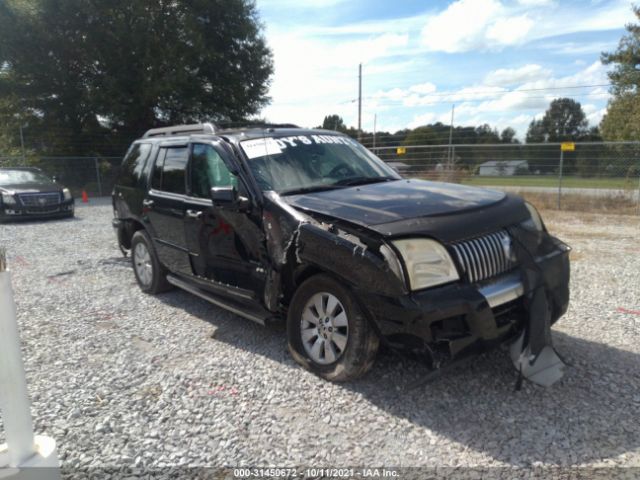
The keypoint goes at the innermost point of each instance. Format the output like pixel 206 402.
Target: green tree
pixel 535 132
pixel 508 135
pixel 77 67
pixel 622 121
pixel 564 120
pixel 334 122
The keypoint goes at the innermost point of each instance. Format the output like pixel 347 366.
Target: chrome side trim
pixel 505 290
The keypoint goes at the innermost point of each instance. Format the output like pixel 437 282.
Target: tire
pixel 150 274
pixel 348 343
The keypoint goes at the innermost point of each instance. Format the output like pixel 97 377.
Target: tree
pixel 625 77
pixel 79 66
pixel 508 135
pixel 334 122
pixel 535 132
pixel 622 121
pixel 563 120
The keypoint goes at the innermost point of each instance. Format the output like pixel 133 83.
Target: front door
pixel 164 207
pixel 226 247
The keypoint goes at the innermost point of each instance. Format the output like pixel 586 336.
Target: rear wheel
pixel 327 331
pixel 150 273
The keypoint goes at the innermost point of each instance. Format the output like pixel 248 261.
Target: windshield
pixel 301 163
pixel 18 177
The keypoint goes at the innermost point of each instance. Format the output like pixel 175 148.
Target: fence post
pixel 638 192
pixel 560 179
pixel 97 164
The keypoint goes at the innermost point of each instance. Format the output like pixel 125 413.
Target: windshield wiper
pixel 312 189
pixel 353 181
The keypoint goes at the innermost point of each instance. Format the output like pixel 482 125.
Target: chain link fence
pixel 585 175
pixel 592 176
pixel 94 175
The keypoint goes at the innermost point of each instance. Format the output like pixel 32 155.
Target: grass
pixel 552 181
pixel 572 202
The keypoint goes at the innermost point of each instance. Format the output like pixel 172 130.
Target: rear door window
pixel 133 165
pixel 169 173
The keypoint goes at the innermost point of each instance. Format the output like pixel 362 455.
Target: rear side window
pixel 169 171
pixel 133 165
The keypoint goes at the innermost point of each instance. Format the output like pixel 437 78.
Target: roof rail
pixel 180 130
pixel 241 125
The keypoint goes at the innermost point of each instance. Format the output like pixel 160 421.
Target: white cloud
pixel 468 25
pixel 461 26
pixel 511 76
pixel 314 77
pixel 594 114
pixel 296 3
pixel 536 3
pixel 316 64
pixel 515 107
pixel 509 31
pixel 423 88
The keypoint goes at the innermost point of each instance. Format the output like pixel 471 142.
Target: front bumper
pixel 20 212
pixel 462 317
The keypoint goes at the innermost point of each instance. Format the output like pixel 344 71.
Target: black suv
pixel 27 193
pixel 310 226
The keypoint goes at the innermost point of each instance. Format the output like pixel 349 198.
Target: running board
pixel 251 312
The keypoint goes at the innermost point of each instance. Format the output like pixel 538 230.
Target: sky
pixel 499 62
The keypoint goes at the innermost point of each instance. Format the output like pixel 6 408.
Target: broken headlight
pixel 8 199
pixel 427 262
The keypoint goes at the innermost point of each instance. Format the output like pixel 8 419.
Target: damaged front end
pixel 513 286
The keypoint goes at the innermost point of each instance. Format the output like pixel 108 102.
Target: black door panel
pixel 226 247
pixel 164 208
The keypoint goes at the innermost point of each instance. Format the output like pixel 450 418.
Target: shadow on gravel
pixel 591 414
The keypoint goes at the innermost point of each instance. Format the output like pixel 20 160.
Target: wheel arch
pixel 126 231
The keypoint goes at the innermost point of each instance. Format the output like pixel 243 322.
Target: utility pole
pixel 375 121
pixel 360 102
pixel 453 107
pixel 24 156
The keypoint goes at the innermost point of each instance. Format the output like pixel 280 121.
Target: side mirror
pixel 228 198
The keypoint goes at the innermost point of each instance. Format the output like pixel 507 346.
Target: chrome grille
pixel 39 199
pixel 485 257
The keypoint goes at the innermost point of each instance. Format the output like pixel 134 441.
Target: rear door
pixel 226 247
pixel 164 206
pixel 129 191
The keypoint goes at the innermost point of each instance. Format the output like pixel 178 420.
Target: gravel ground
pixel 120 378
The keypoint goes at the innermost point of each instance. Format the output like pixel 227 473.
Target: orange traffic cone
pixel 85 197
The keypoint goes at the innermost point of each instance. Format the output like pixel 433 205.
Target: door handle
pixel 147 203
pixel 195 214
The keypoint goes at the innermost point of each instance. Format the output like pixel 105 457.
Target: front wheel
pixel 150 273
pixel 328 333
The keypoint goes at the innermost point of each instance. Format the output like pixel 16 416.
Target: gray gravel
pixel 120 378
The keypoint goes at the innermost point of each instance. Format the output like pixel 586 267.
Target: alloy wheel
pixel 324 328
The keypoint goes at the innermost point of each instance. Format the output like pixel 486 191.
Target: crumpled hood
pixel 445 211
pixel 386 202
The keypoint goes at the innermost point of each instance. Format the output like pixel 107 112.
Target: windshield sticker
pixel 262 147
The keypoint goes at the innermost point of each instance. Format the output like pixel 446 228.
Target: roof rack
pixel 180 130
pixel 240 125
